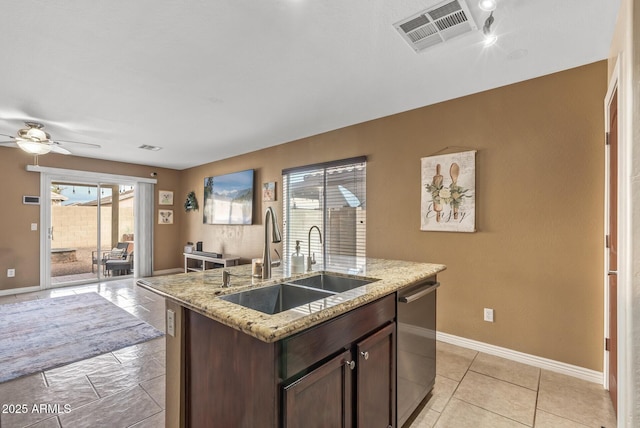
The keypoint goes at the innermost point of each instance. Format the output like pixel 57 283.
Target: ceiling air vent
pixel 436 25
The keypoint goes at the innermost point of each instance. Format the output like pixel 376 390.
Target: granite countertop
pixel 199 291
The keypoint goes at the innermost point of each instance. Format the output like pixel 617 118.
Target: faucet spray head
pixel 275 230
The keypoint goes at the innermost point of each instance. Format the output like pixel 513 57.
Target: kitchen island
pixel 242 367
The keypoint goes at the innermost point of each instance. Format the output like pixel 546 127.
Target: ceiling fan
pixel 35 141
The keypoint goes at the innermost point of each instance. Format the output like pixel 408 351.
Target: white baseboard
pixel 168 271
pixel 19 290
pixel 521 357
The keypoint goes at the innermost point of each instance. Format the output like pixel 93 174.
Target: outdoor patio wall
pixel 537 255
pixel 75 226
pixel 20 247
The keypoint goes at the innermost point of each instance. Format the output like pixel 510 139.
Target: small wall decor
pixel 191 204
pixel 269 191
pixel 165 216
pixel 448 201
pixel 165 197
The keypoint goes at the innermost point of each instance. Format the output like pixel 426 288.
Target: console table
pixel 197 262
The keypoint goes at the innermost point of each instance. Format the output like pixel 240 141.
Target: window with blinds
pixel 331 196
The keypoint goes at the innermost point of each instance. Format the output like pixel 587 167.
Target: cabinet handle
pixel 350 364
pixel 365 354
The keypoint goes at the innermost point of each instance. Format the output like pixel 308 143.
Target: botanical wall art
pixel 448 202
pixel 228 199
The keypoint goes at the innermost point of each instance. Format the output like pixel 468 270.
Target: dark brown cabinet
pixel 341 373
pixel 376 376
pixel 322 398
pixel 357 386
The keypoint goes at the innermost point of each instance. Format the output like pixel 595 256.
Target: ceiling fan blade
pixel 57 148
pixel 5 135
pixel 89 145
pixel 8 143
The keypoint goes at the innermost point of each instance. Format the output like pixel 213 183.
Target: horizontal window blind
pixel 331 196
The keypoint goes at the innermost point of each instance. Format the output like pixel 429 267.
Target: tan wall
pixel 20 247
pixel 538 254
pixel 536 258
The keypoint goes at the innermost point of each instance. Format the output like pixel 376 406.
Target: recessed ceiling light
pixel 487 5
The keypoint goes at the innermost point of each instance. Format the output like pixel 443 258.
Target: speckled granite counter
pixel 199 291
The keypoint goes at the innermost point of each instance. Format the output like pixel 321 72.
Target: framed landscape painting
pixel 228 199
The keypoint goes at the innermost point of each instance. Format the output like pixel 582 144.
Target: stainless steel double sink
pixel 291 294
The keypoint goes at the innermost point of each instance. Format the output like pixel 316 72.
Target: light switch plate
pixel 488 314
pixel 34 226
pixel 11 273
pixel 171 322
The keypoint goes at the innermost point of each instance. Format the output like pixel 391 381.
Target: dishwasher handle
pixel 418 294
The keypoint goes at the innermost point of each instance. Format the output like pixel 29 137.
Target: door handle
pixel 365 354
pixel 350 364
pixel 51 233
pixel 612 272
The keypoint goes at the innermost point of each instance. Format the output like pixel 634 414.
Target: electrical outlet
pixel 488 314
pixel 11 273
pixel 171 322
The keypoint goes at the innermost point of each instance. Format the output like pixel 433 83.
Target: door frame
pixel 611 91
pixel 624 301
pixel 49 175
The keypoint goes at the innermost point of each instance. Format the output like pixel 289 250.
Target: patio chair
pixel 119 266
pixel 119 252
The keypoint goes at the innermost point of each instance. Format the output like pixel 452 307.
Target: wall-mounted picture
pixel 228 199
pixel 448 202
pixel 165 197
pixel 269 191
pixel 165 216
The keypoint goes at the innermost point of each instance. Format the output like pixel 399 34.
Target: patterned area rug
pixel 43 334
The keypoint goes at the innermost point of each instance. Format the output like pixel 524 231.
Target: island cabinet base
pixel 229 376
pixel 336 374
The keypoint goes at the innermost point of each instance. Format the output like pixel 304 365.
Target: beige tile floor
pixel 125 388
pixel 478 390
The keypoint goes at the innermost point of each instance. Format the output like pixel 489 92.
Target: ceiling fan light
pixel 37 134
pixel 490 39
pixel 489 36
pixel 487 5
pixel 33 147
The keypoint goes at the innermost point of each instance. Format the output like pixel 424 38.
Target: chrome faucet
pixel 312 261
pixel 226 279
pixel 275 238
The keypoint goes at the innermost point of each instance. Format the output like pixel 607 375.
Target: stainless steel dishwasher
pixel 416 346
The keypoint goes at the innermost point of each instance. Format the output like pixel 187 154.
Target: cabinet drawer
pixel 313 345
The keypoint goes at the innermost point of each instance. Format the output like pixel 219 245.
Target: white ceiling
pixel 210 79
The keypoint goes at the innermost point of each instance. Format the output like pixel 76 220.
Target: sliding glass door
pixel 107 219
pixel 91 231
pixel 73 233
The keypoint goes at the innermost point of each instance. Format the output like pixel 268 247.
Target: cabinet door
pixel 322 398
pixel 376 389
